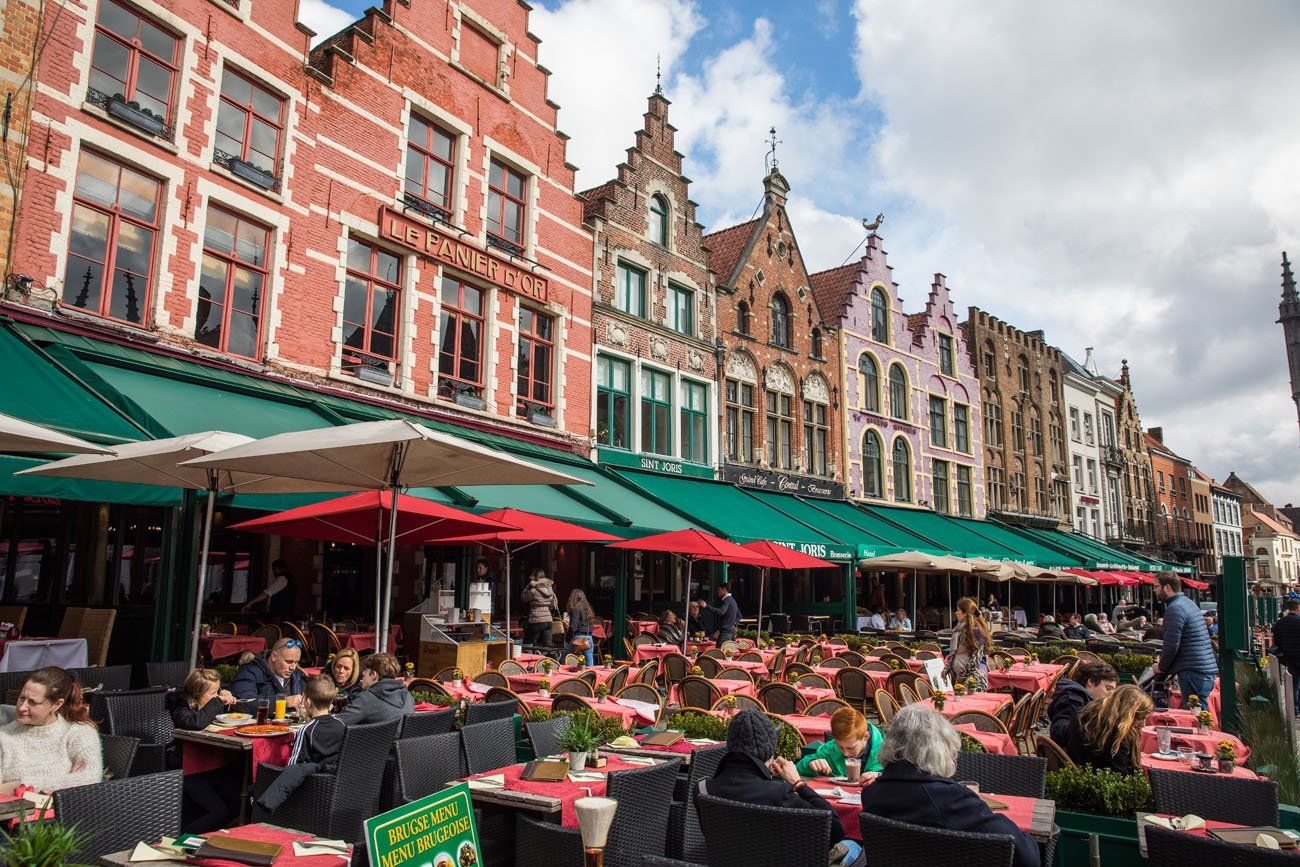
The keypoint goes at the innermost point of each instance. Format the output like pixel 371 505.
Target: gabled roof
pixel 593 198
pixel 1271 523
pixel 831 289
pixel 726 246
pixel 916 323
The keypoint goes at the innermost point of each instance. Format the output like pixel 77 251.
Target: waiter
pixel 727 612
pixel 281 594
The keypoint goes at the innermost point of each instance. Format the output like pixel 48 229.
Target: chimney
pixel 1157 434
pixel 776 187
pixel 1089 364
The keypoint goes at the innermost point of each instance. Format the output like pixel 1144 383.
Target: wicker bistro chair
pixel 268 632
pixel 446 675
pixel 643 639
pixel 713 653
pixel 795 670
pixel 735 674
pixel 1017 652
pixel 898 679
pixel 739 702
pixel 928 654
pixel 835 662
pixel 643 692
pixel 697 692
pixel 984 722
pixel 1180 849
pixel 291 630
pixel 426 764
pixel 648 673
pixel 685 839
pixel 825 706
pixel 574 659
pixel 886 706
pixel 751 656
pixel 324 643
pixel 737 834
pixel 119 753
pixel 140 714
pixel 168 674
pixel 545 665
pixel 573 686
pixel 492 708
pixel 568 703
pixel 853 686
pixel 423 684
pixel 852 657
pixel 509 667
pixel 1004 775
pixel 539 843
pixel 709 665
pixel 1055 756
pixel 818 680
pixel 425 723
pixel 899 844
pixel 110 678
pixel 1223 799
pixel 488 745
pixel 875 665
pixel 780 698
pixel 119 813
pixel 545 735
pixel 905 695
pixel 499 696
pixel 591 678
pixel 334 805
pixel 922 688
pixel 675 666
pixel 493 678
pixel 618 679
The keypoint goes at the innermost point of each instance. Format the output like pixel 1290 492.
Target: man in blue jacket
pixel 275 674
pixel 727 612
pixel 1187 651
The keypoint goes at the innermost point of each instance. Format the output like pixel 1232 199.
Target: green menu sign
pixel 438 830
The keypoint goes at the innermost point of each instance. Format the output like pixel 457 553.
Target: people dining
pixel 1075 630
pixel 1091 681
pixel 971 642
pixel 1186 649
pixel 211 796
pixel 196 704
pixel 876 620
pixel 670 628
pixel 727 612
pixel 274 674
pixel 345 669
pixel 900 621
pixel 1103 620
pixel 317 745
pixel 1107 734
pixel 581 618
pixel 543 607
pixel 851 737
pixel 382 695
pixel 917 786
pixel 51 743
pixel 1049 629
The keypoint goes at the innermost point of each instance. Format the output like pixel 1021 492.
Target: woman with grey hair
pixel 916 786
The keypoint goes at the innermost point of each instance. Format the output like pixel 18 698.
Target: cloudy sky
pixel 1122 175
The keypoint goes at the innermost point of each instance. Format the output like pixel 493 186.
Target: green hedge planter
pixel 1117 837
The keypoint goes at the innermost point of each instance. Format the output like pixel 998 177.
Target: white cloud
pixel 325 19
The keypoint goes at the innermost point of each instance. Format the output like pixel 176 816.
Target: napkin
pixel 481 688
pixel 1266 841
pixel 639 760
pixel 491 781
pixel 306 848
pixel 1189 822
pixel 644 709
pixel 145 852
pixel 851 799
pixel 701 742
pixel 836 792
pixel 585 777
pixel 39 800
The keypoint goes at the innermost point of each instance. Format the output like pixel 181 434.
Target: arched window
pixel 870 383
pixel 879 316
pixel 990 360
pixel 659 220
pixel 897 392
pixel 873 474
pixel 1022 374
pixel 902 471
pixel 817 343
pixel 780 320
pixel 742 318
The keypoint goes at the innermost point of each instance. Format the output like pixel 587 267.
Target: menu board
pixel 437 830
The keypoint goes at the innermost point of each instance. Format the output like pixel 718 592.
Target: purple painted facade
pixel 862 300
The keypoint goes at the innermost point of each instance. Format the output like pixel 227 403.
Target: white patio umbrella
pixel 156 462
pixel 17 435
pixel 393 455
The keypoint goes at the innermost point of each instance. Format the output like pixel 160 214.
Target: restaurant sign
pixel 654 464
pixel 434 243
pixel 438 830
pixel 766 480
pixel 831 553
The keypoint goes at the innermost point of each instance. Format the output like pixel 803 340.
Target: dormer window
pixel 780 320
pixel 659 220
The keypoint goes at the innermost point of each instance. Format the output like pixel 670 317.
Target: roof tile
pixel 831 289
pixel 726 246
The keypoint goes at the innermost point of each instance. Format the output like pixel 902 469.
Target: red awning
pixel 1124 579
pixel 1196 585
pixel 695 545
pixel 1105 579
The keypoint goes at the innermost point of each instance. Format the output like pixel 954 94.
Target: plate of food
pixel 262 731
pixel 466 855
pixel 1170 756
pixel 234 719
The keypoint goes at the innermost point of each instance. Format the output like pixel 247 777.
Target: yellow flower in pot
pixel 1194 702
pixel 940 698
pixel 1203 719
pixel 697 671
pixel 544 688
pixel 959 689
pixel 1227 755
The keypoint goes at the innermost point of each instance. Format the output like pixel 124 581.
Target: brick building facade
pixel 911 409
pixel 1137 528
pixel 655 382
pixel 1172 502
pixel 781 419
pixel 20 22
pixel 1026 465
pixel 389 213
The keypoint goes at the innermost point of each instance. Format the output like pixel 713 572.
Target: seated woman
pixel 52 742
pixel 916 786
pixel 852 737
pixel 212 796
pixel 383 696
pixel 670 628
pixel 1107 734
pixel 196 704
pixel 752 773
pixel 345 670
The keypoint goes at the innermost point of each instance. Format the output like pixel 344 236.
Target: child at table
pixel 316 747
pixel 211 796
pixel 851 737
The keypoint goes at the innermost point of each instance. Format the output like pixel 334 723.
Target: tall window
pixel 536 356
pixel 371 300
pixel 695 429
pixel 1022 375
pixel 1092 476
pixel 965 493
pixel 879 316
pixel 940 473
pixel 250 120
pixel 992 423
pixel 902 471
pixel 1077 464
pixel 897 392
pixel 656 412
pixel 681 309
pixel 817 343
pixel 938 422
pixel 1040 494
pixel 1036 434
pixel 997 487
pixel 947 364
pixel 134 60
pixel 740 421
pixel 659 220
pixel 870 383
pixel 1088 436
pixel 629 289
pixel 613 402
pixel 462 334
pixel 961 427
pixel 780 320
pixel 1018 429
pixel 232 283
pixel 430 163
pixel 990 360
pixel 505 210
pixel 1018 491
pixel 873 475
pixel 780 430
pixel 110 253
pixel 744 324
pixel 1074 424
pixel 816 430
pixel 1058 438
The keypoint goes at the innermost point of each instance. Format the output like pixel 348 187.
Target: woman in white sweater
pixel 52 744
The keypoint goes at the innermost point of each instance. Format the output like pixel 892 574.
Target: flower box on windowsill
pixel 541 418
pixel 253 174
pixel 473 401
pixel 366 373
pixel 138 117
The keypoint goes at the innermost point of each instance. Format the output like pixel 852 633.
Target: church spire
pixel 1288 282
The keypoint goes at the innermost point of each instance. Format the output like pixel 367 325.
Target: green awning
pixel 947 536
pixel 877 536
pixel 79 489
pixel 1094 554
pixel 1015 547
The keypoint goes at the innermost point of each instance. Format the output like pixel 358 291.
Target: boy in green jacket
pixel 853 737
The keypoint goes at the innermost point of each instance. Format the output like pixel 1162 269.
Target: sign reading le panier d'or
pixel 438 830
pixel 436 244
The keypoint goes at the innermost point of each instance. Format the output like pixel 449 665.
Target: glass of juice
pixel 281 707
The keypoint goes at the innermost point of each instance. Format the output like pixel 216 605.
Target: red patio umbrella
pixel 521 529
pixel 692 545
pixel 782 557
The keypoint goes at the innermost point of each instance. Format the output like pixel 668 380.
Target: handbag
pixel 581 642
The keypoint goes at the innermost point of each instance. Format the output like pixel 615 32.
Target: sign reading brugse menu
pixel 438 830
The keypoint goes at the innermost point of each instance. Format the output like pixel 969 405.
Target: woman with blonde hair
pixel 971 642
pixel 1107 734
pixel 345 671
pixel 581 620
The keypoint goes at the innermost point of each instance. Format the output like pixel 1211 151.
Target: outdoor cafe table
pixel 215 646
pixel 680 750
pixel 532 680
pixel 541 797
pixel 994 742
pixel 1210 825
pixel 636 627
pixel 646 652
pixel 814 693
pixel 605 707
pixel 459 690
pixel 913 663
pixel 1028 677
pixel 1201 743
pixel 724 686
pixel 262 833
pixel 755 668
pixel 366 640
pixel 989 702
pixel 1170 717
pixel 29 654
pixel 1213 703
pixel 208 749
pixel 813 728
pixel 1149 761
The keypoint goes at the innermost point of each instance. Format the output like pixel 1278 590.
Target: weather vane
pixel 772 141
pixel 659 74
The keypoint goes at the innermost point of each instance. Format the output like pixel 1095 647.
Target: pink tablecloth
pixel 636 627
pixel 1167 717
pixel 647 652
pixel 567 791
pixel 989 702
pixel 1201 743
pixel 914 664
pixel 682 747
pixel 1148 761
pixel 532 681
pixel 1023 676
pixel 757 669
pixel 607 707
pixel 814 693
pixel 458 690
pixel 813 728
pixel 217 646
pixel 994 742
pixel 1020 810
pixel 1176 700
pixel 830 672
pixel 263 834
pixel 366 640
pixel 196 757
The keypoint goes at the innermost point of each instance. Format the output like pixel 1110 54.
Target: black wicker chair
pixel 742 835
pixel 141 714
pixel 1179 849
pixel 110 678
pixel 685 839
pixel 169 674
pixel 120 813
pixel 486 711
pixel 433 722
pixel 488 745
pixel 641 824
pixel 334 805
pixel 426 764
pixel 545 735
pixel 1004 775
pixel 656 861
pixel 546 844
pixel 119 753
pixel 899 844
pixel 1223 799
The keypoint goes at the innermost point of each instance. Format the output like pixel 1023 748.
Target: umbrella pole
pixel 948 581
pixel 510 641
pixel 686 593
pixel 762 576
pixel 379 571
pixel 913 598
pixel 203 572
pixel 381 637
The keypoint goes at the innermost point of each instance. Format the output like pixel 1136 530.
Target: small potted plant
pixel 697 671
pixel 578 740
pixel 458 676
pixel 1194 702
pixel 895 665
pixel 939 699
pixel 959 689
pixel 1227 755
pixel 971 685
pixel 544 688
pixel 1203 720
pixel 602 692
pixel 609 660
pixel 729 702
pixel 44 843
pixel 410 670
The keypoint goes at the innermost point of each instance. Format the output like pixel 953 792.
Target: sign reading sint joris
pixel 437 830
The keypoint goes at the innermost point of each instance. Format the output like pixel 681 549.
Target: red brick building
pixel 1173 506
pixel 19 25
pixel 388 213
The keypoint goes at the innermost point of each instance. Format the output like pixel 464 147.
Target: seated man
pixel 1049 628
pixel 876 620
pixel 1091 680
pixel 382 695
pixel 900 621
pixel 1075 630
pixel 274 674
pixel 670 628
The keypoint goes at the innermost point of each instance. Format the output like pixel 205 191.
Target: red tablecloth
pixel 682 747
pixel 757 669
pixel 366 640
pixel 1020 809
pixel 1176 699
pixel 527 659
pixel 1148 761
pixel 814 693
pixel 989 702
pixel 1028 677
pixel 196 757
pixel 272 835
pixel 532 681
pixel 636 627
pixel 647 652
pixel 567 791
pixel 1212 825
pixel 217 646
pixel 914 664
pixel 994 742
pixel 813 728
pixel 1169 717
pixel 1201 743
pixel 726 687
pixel 607 707
pixel 458 690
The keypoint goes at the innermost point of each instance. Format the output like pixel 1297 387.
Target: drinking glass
pixel 1185 756
pixel 853 769
pixel 1163 737
pixel 281 707
pixel 973 785
pixel 263 708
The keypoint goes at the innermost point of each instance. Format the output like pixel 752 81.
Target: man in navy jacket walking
pixel 1187 651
